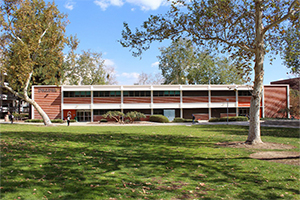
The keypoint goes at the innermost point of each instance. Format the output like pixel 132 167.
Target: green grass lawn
pixel 146 162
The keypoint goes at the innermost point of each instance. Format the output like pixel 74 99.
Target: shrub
pixel 42 121
pixel 57 121
pixel 20 116
pixel 116 115
pixel 158 118
pixel 34 120
pixel 231 119
pixel 178 119
pixel 135 116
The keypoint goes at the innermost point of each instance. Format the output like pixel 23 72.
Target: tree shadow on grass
pixel 114 165
pixel 243 130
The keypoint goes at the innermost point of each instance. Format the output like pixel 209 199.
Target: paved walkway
pixel 147 123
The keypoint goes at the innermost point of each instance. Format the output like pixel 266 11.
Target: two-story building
pixel 90 102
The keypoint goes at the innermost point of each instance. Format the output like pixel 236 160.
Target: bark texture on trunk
pixel 254 136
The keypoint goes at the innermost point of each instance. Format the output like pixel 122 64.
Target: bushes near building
pixel 231 119
pixel 158 118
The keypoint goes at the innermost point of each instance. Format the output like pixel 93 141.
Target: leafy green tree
pixel 116 115
pixel 32 39
pixel 291 53
pixel 182 63
pixel 245 29
pixel 85 69
pixel 295 103
pixel 134 115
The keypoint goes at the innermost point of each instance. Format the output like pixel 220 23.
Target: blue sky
pixel 98 25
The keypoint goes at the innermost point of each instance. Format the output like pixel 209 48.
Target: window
pixel 77 94
pixel 137 93
pixel 195 93
pixel 222 93
pixel 166 93
pixel 107 93
pixel 245 93
pixel 102 112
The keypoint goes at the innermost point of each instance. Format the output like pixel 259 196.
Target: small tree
pixel 116 115
pixel 134 115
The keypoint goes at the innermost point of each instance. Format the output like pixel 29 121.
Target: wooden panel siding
pixel 275 101
pixel 49 99
pixel 244 101
pixel 221 99
pixel 77 100
pixel 103 100
pixel 136 100
pixel 194 99
pixel 166 99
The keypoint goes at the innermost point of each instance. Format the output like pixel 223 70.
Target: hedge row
pixel 231 119
pixel 178 119
pixel 158 118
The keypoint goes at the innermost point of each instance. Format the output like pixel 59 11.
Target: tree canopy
pixel 183 63
pixel 246 30
pixel 86 68
pixel 291 53
pixel 32 40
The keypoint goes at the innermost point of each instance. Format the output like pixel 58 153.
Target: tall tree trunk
pixel 254 136
pixel 25 97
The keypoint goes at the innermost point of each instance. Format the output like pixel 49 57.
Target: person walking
pixel 68 119
pixel 193 118
pixel 11 118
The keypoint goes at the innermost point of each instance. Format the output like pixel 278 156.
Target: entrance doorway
pixel 83 115
pixel 170 114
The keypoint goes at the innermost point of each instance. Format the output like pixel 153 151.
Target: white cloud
pixel 129 75
pixel 105 3
pixel 143 4
pixel 155 64
pixel 109 62
pixel 70 5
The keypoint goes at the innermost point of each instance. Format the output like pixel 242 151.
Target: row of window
pixel 155 93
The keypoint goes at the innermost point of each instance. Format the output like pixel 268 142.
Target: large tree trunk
pixel 254 136
pixel 42 113
pixel 25 97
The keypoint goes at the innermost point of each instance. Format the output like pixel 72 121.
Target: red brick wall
pixel 49 98
pixel 275 100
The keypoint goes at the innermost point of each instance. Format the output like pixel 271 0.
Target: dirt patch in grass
pixel 285 157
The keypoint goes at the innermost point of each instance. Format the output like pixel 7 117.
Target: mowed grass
pixel 146 162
